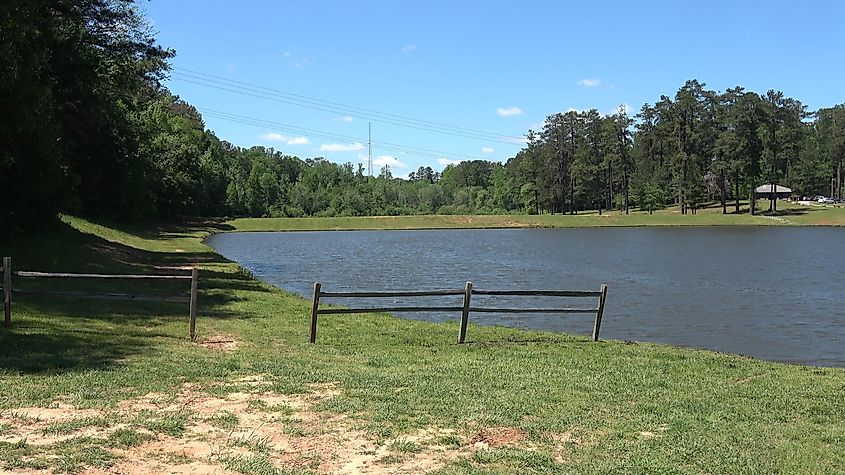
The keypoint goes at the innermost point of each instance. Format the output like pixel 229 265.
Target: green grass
pixel 624 408
pixel 171 423
pixel 125 438
pixel 254 443
pixel 404 445
pixel 254 465
pixel 80 452
pixel 788 215
pixel 224 420
pixel 73 425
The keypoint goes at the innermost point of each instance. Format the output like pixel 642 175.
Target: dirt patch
pixel 220 342
pixel 499 437
pixel 749 378
pixel 514 224
pixel 651 434
pixel 563 438
pixel 199 429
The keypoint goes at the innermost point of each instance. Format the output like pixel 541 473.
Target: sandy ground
pixel 252 423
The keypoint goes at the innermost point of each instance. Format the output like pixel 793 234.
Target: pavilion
pixel 765 191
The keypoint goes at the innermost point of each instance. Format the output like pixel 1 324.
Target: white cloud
pixel 446 161
pixel 271 137
pixel 345 118
pixel 274 137
pixel 341 147
pixel 409 48
pixel 590 82
pixel 299 141
pixel 388 160
pixel 383 160
pixel 505 112
pixel 487 149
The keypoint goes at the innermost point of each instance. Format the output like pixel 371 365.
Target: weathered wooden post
pixel 465 313
pixel 7 291
pixel 314 305
pixel 599 312
pixel 193 304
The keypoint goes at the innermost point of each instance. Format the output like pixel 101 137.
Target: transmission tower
pixel 370 148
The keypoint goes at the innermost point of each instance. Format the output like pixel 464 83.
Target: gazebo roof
pixel 767 188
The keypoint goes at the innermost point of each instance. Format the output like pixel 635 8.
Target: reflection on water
pixel 773 293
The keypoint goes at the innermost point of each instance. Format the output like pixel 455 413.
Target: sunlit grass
pixel 623 408
pixel 788 214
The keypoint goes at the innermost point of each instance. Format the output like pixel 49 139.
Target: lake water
pixel 772 293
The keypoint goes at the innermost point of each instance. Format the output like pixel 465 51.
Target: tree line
pixel 89 128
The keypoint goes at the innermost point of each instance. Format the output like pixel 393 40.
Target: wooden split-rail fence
pixel 8 290
pixel 465 309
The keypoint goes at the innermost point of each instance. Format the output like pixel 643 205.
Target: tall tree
pixel 782 135
pixel 831 129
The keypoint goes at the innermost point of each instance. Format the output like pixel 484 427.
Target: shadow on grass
pixel 72 345
pixel 59 334
pixel 541 340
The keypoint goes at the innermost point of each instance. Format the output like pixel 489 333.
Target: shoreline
pixel 401 389
pixel 793 216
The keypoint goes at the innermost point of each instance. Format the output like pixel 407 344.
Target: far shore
pixel 789 214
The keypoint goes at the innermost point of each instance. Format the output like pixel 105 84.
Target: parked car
pixel 827 201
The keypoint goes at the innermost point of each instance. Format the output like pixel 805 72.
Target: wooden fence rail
pixel 465 309
pixel 8 290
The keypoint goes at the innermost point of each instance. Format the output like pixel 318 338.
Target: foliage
pixel 583 407
pixel 90 130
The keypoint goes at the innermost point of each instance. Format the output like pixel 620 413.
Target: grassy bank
pixel 117 385
pixel 788 215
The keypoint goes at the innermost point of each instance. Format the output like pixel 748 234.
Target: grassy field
pixel 117 386
pixel 789 215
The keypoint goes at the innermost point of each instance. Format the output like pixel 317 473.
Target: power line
pixel 327 63
pixel 261 92
pixel 386 146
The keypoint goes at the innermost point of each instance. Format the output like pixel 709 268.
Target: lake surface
pixel 771 293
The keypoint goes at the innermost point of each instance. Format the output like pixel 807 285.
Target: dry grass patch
pixel 249 430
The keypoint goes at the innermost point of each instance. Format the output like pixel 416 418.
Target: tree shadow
pixel 561 340
pixel 60 334
pixel 72 345
pixel 791 212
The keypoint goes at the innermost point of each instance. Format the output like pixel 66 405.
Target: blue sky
pixel 482 72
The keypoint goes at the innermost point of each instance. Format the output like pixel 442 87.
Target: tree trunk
pixel 753 203
pixel 681 199
pixel 601 198
pixel 723 192
pixel 773 186
pixel 736 192
pixel 681 184
pixel 625 187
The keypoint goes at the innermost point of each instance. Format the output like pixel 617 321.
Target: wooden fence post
pixel 193 304
pixel 314 305
pixel 7 292
pixel 465 313
pixel 599 312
